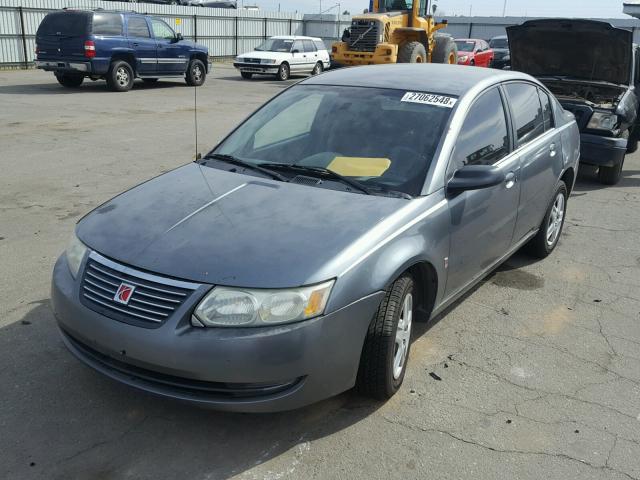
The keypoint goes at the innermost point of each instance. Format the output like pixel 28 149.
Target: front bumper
pixel 237 369
pixel 257 67
pixel 64 66
pixel 602 151
pixel 384 53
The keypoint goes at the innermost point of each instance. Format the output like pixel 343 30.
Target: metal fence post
pixel 195 28
pixel 24 38
pixel 265 27
pixel 237 35
pixel 470 29
pixel 291 26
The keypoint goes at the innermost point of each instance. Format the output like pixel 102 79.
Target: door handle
pixel 510 179
pixel 552 149
pixel 136 44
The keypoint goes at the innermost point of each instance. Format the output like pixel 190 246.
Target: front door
pixel 172 58
pixel 482 221
pixel 142 44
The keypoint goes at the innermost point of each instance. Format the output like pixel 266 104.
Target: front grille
pixel 251 60
pixel 363 36
pixel 177 386
pixel 152 302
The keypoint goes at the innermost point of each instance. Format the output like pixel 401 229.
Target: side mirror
pixel 179 37
pixel 295 50
pixel 475 177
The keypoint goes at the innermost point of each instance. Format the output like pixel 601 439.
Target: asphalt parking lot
pixel 534 374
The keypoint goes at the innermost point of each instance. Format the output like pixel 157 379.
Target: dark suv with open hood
pixel 591 67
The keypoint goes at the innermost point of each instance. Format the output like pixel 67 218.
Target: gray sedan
pixel 290 263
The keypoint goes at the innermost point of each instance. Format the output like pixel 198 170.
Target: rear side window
pixel 309 46
pixel 107 24
pixel 320 45
pixel 483 139
pixel 137 27
pixel 547 114
pixel 64 23
pixel 527 111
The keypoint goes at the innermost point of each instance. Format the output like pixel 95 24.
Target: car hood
pixel 261 55
pixel 207 225
pixel 584 49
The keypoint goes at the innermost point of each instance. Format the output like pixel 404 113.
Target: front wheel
pixel 383 362
pixel 318 69
pixel 547 237
pixel 196 73
pixel 283 72
pixel 120 76
pixel 70 81
pixel 412 52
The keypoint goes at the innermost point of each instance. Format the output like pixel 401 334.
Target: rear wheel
pixel 386 348
pixel 120 76
pixel 246 75
pixel 445 50
pixel 70 81
pixel 284 72
pixel 549 233
pixel 412 52
pixel 196 73
pixel 318 69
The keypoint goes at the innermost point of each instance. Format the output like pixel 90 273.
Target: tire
pixel 383 364
pixel 120 76
pixel 284 72
pixel 445 50
pixel 472 63
pixel 246 75
pixel 540 246
pixel 412 52
pixel 318 69
pixel 632 141
pixel 150 80
pixel 70 81
pixel 610 175
pixel 196 73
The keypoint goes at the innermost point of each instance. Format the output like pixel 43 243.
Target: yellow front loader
pixel 395 31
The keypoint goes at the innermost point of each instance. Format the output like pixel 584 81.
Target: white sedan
pixel 284 56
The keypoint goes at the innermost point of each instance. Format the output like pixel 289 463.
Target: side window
pixel 293 121
pixel 162 30
pixel 107 24
pixel 547 112
pixel 527 111
pixel 483 139
pixel 320 45
pixel 137 27
pixel 309 46
pixel 298 45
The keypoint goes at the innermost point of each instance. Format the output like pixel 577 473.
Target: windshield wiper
pixel 241 163
pixel 321 171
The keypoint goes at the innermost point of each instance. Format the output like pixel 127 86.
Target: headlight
pixel 243 307
pixel 463 58
pixel 75 253
pixel 238 60
pixel 267 60
pixel 603 121
pixel 507 57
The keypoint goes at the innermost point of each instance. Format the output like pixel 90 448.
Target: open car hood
pixel 584 49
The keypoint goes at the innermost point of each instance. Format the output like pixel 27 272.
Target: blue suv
pixel 117 46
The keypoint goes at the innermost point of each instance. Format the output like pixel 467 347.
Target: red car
pixel 472 51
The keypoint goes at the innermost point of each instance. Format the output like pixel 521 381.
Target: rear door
pixel 482 221
pixel 172 59
pixel 540 148
pixel 61 35
pixel 311 53
pixel 299 57
pixel 142 44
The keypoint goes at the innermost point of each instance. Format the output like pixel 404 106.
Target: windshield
pixel 64 24
pixel 381 138
pixel 499 43
pixel 275 45
pixel 395 5
pixel 465 46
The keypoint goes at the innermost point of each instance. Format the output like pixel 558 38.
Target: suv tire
pixel 120 76
pixel 445 50
pixel 412 52
pixel 383 362
pixel 70 81
pixel 551 227
pixel 196 73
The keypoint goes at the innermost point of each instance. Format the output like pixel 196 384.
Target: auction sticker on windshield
pixel 429 99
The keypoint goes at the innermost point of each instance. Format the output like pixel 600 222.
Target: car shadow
pixel 269 79
pixel 62 420
pixel 54 88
